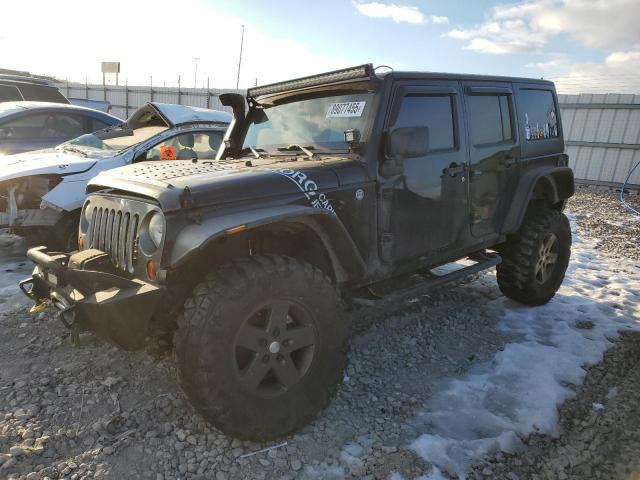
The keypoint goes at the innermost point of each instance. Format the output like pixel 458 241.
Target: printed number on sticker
pixel 167 152
pixel 346 109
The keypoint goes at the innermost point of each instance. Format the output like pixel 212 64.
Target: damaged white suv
pixel 42 192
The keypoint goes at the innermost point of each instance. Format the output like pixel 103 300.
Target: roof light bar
pixel 362 71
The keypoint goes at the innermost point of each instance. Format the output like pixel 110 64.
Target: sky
pixel 584 45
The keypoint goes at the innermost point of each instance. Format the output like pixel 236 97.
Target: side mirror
pixel 402 143
pixel 408 142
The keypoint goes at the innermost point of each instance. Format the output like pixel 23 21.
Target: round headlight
pixel 156 229
pixel 85 218
pixel 88 211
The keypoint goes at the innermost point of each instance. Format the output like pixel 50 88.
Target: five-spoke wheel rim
pixel 547 258
pixel 274 348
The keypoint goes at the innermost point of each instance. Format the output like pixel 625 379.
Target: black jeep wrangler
pixel 330 190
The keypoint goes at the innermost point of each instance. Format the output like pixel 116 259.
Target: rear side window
pixel 539 112
pixel 41 93
pixel 433 111
pixel 9 93
pixel 490 119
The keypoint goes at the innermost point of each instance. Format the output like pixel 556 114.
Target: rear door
pixel 494 153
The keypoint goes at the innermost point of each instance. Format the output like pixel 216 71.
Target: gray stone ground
pixel 600 215
pixel 600 427
pixel 97 412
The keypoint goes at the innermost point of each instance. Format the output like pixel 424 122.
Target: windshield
pixel 111 141
pixel 316 122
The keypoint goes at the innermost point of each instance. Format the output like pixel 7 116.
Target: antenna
pixel 240 58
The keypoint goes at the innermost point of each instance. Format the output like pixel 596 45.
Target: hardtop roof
pixel 411 75
pixel 367 73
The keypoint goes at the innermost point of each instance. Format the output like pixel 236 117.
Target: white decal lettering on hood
pixel 308 187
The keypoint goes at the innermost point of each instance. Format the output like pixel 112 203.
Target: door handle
pixel 454 169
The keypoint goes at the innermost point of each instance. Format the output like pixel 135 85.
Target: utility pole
pixel 240 58
pixel 195 73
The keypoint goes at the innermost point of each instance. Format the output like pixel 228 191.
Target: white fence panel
pixel 602 133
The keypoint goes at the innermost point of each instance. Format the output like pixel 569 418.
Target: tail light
pixel 563 160
pixel 109 108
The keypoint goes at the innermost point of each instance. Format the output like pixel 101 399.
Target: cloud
pixel 154 45
pixel 621 58
pixel 543 65
pixel 398 13
pixel 530 26
pixel 619 73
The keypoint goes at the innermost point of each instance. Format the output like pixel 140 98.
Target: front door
pixel 494 154
pixel 425 209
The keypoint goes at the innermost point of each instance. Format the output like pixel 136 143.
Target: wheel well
pixel 552 190
pixel 69 216
pixel 293 239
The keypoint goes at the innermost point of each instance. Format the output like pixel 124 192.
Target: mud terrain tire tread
pixel 208 321
pixel 516 273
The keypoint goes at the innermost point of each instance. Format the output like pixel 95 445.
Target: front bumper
pixel 115 308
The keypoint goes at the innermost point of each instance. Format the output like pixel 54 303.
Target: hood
pixel 43 162
pixel 174 115
pixel 185 184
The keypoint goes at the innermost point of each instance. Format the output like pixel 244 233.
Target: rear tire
pixel 535 259
pixel 261 346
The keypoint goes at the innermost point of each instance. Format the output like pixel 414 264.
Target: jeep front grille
pixel 115 232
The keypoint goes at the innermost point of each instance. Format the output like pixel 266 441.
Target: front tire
pixel 65 233
pixel 261 346
pixel 535 259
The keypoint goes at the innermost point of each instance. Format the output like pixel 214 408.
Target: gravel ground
pixel 600 215
pixel 96 412
pixel 600 428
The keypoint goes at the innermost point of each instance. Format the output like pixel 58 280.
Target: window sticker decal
pixel 540 116
pixel 168 152
pixel 345 109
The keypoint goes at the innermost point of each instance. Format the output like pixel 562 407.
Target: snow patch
pixel 519 391
pixel 435 474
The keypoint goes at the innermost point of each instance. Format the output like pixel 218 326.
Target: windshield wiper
pixel 297 147
pixel 256 152
pixel 69 148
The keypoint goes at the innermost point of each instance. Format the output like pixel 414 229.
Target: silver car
pixel 43 191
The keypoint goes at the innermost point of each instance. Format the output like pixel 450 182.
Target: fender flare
pixel 557 183
pixel 345 258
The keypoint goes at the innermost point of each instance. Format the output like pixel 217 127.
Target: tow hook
pixel 24 286
pixel 67 316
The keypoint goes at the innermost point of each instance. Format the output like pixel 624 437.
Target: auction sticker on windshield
pixel 346 109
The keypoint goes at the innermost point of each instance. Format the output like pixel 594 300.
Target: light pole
pixel 195 73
